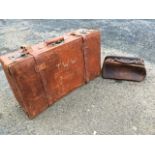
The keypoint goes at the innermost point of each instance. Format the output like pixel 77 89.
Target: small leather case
pixel 123 68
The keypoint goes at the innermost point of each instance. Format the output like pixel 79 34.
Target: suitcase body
pixel 123 68
pixel 41 74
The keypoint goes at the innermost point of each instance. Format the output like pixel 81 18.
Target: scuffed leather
pixel 50 72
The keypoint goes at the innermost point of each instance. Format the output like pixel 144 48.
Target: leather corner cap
pixel 124 68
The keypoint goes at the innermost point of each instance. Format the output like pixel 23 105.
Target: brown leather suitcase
pixel 123 68
pixel 41 74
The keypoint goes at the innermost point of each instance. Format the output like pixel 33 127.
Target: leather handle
pixel 54 40
pixel 28 49
pixel 126 61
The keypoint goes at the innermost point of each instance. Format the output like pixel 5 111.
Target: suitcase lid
pixel 25 51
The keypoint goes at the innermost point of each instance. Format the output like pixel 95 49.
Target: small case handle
pixel 129 61
pixel 55 40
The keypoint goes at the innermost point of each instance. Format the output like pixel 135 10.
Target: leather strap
pixel 85 54
pixel 85 57
pixel 41 76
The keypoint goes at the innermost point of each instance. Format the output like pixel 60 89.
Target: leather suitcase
pixel 124 68
pixel 41 74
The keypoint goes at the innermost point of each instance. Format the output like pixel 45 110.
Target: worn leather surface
pixel 123 68
pixel 49 71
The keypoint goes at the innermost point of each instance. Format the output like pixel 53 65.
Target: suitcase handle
pixel 136 62
pixel 54 41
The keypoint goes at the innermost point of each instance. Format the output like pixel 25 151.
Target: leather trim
pixel 85 51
